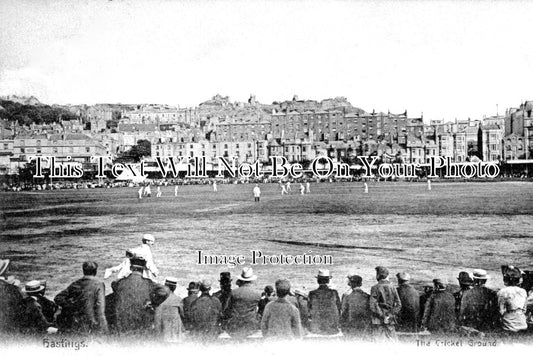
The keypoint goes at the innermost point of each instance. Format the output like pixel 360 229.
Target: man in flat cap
pixel 281 319
pixel 136 298
pixel 410 299
pixel 512 302
pixel 324 306
pixel 385 305
pixel 355 309
pixel 439 311
pixel 167 319
pixel 206 311
pixel 83 303
pixel 479 305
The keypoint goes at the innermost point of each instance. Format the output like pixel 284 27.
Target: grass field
pixel 403 226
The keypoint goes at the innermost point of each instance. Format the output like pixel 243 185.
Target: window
pixel 87 149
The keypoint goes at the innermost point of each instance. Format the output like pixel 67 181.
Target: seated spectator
pixel 265 299
pixel 11 302
pixel 243 304
pixel 167 320
pixel 439 311
pixel 206 312
pixel 512 302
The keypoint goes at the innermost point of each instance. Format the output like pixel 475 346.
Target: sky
pixel 447 60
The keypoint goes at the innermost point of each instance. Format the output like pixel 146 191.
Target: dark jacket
pixel 324 305
pixel 385 303
pixel 224 298
pixel 205 317
pixel 479 308
pixel 355 312
pixel 168 323
pixel 409 314
pixel 243 320
pixel 187 302
pixel 11 307
pixel 135 300
pixel 33 320
pixel 439 313
pixel 83 306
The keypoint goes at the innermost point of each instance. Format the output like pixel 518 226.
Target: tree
pixel 136 153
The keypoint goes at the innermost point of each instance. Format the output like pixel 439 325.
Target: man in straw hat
pixel 512 301
pixel 243 304
pixel 479 305
pixel 33 319
pixel 385 305
pixel 136 298
pixel 324 305
pixel 11 302
pixel 83 303
pixel 281 319
pixel 439 311
pixel 167 319
pixel 355 309
pixel 206 311
pixel 410 299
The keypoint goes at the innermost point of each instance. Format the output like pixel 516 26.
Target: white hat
pixel 247 274
pixel 148 237
pixel 323 273
pixel 480 274
pixel 33 287
pixel 171 281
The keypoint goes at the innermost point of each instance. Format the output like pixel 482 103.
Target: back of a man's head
pixel 283 288
pixel 89 268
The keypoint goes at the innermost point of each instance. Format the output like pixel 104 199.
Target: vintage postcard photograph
pixel 266 177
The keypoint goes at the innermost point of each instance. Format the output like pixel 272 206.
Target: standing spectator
pixel 83 303
pixel 168 324
pixel 205 314
pixel 224 295
pixel 192 294
pixel 385 305
pixel 266 298
pixel 479 305
pixel 136 298
pixel 439 311
pixel 465 283
pixel 324 306
pixel 512 302
pixel 355 309
pixel 243 303
pixel 257 193
pixel 11 302
pixel 281 319
pixel 410 299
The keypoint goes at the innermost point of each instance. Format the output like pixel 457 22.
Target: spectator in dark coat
pixel 167 319
pixel 385 305
pixel 479 305
pixel 428 291
pixel 206 311
pixel 49 308
pixel 324 306
pixel 410 299
pixel 136 298
pixel 224 295
pixel 33 319
pixel 192 294
pixel 83 303
pixel 439 312
pixel 355 309
pixel 281 319
pixel 11 302
pixel 465 283
pixel 243 319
